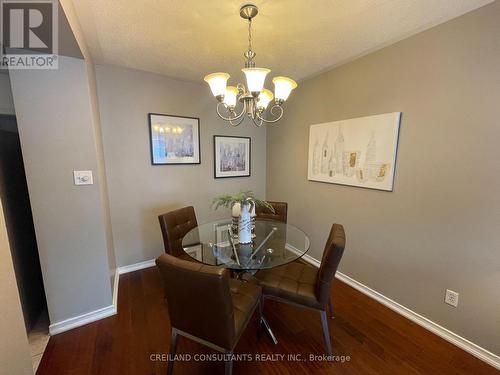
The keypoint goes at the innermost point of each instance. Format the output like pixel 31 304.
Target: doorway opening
pixel 22 239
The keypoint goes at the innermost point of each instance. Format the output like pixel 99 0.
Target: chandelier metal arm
pixel 257 121
pixel 280 115
pixel 238 122
pixel 230 118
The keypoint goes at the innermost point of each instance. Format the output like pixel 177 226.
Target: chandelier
pixel 254 97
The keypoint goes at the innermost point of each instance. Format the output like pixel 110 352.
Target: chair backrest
pixel 280 212
pixel 174 226
pixel 199 299
pixel 334 249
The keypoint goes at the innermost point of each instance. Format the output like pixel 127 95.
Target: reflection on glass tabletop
pixel 274 244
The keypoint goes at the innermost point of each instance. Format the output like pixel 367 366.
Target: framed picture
pixel 231 156
pixel 357 152
pixel 222 235
pixel 174 139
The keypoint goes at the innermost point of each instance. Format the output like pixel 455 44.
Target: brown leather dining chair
pixel 205 305
pixel 279 214
pixel 174 226
pixel 300 284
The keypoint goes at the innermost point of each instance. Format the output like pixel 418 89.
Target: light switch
pixel 83 177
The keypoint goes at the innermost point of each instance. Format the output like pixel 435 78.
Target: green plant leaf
pixel 243 197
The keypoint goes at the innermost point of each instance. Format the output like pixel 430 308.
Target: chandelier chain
pixel 250 34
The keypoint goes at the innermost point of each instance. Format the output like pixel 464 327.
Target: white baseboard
pixel 126 269
pixel 136 266
pixel 309 259
pixel 80 320
pixel 477 351
pixel 92 316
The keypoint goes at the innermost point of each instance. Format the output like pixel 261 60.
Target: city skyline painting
pixel 231 156
pixel 357 152
pixel 174 139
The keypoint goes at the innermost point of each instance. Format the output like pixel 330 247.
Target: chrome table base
pixel 264 322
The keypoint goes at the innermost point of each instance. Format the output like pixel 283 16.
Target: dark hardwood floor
pixel 377 340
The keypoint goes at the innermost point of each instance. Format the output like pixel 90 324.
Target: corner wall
pixel 139 191
pixel 56 129
pixel 71 37
pixel 439 228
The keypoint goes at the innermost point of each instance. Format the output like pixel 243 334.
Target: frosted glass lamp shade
pixel 217 83
pixel 283 86
pixel 255 78
pixel 230 96
pixel 264 98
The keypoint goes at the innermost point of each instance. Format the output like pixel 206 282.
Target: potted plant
pixel 242 206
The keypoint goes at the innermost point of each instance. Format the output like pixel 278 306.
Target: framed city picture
pixel 231 156
pixel 174 139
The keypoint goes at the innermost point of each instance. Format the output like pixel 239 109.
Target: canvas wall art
pixel 231 156
pixel 174 139
pixel 356 152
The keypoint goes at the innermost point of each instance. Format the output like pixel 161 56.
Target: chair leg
pixel 228 363
pixel 173 349
pixel 326 332
pixel 330 306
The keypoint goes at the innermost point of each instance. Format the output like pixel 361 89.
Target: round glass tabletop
pixel 274 244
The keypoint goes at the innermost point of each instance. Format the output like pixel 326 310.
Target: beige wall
pixel 57 134
pixel 15 355
pixel 440 227
pixel 139 191
pixel 71 37
pixel 101 167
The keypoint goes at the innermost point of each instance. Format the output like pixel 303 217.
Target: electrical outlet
pixel 451 298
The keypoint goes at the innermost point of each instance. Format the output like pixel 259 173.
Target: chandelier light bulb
pixel 255 79
pixel 230 96
pixel 217 83
pixel 264 99
pixel 283 86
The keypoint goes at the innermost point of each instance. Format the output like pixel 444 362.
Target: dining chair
pixel 280 212
pixel 206 305
pixel 303 285
pixel 174 226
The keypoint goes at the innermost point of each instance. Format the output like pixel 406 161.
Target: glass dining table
pixel 273 244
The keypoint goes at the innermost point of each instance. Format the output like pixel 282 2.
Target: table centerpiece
pixel 242 207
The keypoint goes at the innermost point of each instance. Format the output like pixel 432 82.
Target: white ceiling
pixel 188 39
